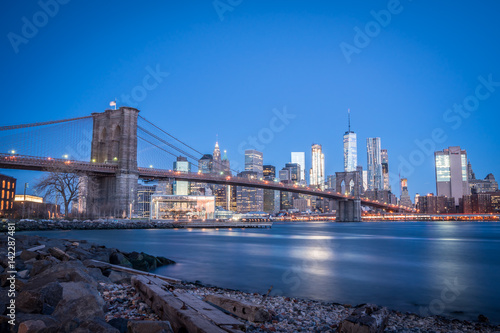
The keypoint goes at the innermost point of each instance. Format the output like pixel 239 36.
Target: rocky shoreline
pixel 62 288
pixel 42 225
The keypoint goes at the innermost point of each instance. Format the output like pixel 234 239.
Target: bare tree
pixel 64 183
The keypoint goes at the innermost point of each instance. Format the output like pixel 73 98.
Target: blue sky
pixel 231 64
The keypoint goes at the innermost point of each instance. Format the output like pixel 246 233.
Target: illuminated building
pixel 182 207
pixel 271 197
pixel 477 203
pixel 374 161
pixel 205 164
pixel 300 159
pixel 249 199
pixel 431 204
pixel 317 171
pixel 405 199
pixel 385 169
pixel 253 161
pixel 34 207
pixel 495 202
pixel 217 161
pixel 350 148
pixel 294 171
pixel 182 187
pixel 8 188
pixel 451 173
pixel 269 172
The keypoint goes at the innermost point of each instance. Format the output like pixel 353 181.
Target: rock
pixel 80 301
pixel 118 258
pixel 138 262
pixel 97 275
pixel 30 301
pixel 143 326
pixel 52 294
pixel 483 319
pixel 60 254
pixel 27 255
pixel 95 325
pixel 119 277
pixel 23 274
pixel 120 324
pixel 78 253
pixel 65 271
pixel 31 326
pixel 50 322
pixel 40 265
pixel 367 318
pixel 164 261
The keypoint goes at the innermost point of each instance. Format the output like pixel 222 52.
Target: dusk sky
pixel 231 63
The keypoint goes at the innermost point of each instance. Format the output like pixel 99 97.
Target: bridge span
pixel 10 161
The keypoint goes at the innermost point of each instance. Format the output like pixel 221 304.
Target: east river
pixel 446 268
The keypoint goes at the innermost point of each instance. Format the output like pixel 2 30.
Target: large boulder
pixel 118 258
pixel 60 254
pixel 80 301
pixel 65 271
pixel 30 301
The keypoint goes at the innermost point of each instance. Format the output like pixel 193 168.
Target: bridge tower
pixel 349 183
pixel 114 141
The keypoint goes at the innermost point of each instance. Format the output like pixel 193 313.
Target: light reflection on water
pixel 399 265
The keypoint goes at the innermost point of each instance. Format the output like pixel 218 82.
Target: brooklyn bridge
pixel 105 147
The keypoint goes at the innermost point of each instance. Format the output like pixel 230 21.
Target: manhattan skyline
pixel 232 76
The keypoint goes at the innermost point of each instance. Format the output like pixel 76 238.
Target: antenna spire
pixel 349 119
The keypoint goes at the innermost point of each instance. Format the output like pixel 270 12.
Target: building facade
pixel 182 187
pixel 317 171
pixel 405 199
pixel 385 169
pixel 451 173
pixel 300 159
pixel 374 163
pixel 8 188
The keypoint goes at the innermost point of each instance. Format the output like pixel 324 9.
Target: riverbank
pixel 59 286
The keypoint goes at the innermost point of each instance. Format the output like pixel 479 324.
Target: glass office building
pixel 300 159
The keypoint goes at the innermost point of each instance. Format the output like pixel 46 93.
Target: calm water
pixel 448 268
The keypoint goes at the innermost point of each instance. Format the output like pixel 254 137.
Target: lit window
pixel 8 195
pixel 1 206
pixel 3 184
pixel 12 205
pixel 8 185
pixel 3 194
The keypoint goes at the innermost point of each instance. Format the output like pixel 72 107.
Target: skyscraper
pixel 251 199
pixel 405 199
pixel 182 187
pixel 300 159
pixel 217 162
pixel 350 148
pixel 385 169
pixel 294 171
pixel 452 173
pixel 254 161
pixel 317 171
pixel 205 164
pixel 374 161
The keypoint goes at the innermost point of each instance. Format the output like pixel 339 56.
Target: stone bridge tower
pixel 349 183
pixel 114 141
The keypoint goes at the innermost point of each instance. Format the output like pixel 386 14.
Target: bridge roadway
pixel 9 161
